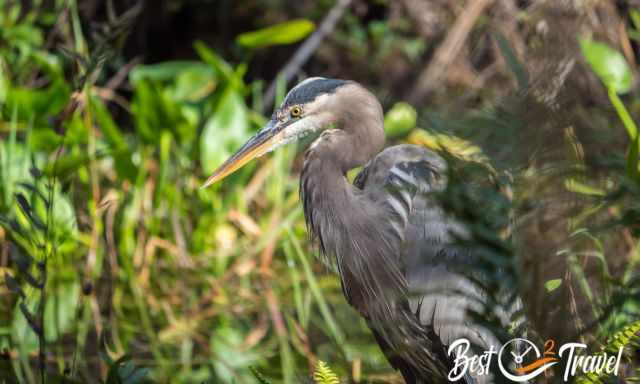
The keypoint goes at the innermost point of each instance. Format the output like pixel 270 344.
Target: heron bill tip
pixel 257 146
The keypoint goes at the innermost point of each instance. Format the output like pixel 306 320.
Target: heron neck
pixel 351 229
pixel 327 197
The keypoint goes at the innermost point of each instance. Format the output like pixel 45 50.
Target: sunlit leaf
pixel 609 64
pixel 285 33
pixel 324 375
pixel 452 145
pixel 400 119
pixel 573 185
pixel 552 285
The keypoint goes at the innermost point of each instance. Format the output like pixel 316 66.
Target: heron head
pixel 310 107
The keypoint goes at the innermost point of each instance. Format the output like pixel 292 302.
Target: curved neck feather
pixel 348 227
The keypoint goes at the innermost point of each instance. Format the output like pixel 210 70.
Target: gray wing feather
pixel 404 178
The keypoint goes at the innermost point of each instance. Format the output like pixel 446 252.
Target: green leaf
pixel 38 103
pixel 60 310
pixel 115 139
pixel 214 60
pixel 194 84
pixel 633 159
pixel 166 71
pixel 400 119
pixel 222 69
pixel 552 285
pixel 284 33
pixel 65 165
pixel 224 132
pixel 609 64
pixel 21 333
pixel 45 139
pixel 635 18
pixel 574 185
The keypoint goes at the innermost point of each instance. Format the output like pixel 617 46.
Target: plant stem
pixel 627 121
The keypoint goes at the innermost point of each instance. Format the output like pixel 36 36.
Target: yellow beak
pixel 258 145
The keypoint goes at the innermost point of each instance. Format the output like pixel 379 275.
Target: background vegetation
pixel 119 268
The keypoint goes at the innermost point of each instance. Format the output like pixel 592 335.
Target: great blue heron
pixel 392 243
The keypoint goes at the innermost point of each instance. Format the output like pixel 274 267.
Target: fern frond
pixel 627 336
pixel 324 375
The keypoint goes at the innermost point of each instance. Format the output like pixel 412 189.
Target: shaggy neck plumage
pixel 345 226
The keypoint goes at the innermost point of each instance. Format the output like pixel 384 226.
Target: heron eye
pixel 296 111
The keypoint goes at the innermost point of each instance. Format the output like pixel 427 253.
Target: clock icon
pixel 520 360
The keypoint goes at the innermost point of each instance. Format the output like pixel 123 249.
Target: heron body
pixel 395 247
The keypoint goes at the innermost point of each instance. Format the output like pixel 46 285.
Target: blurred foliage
pixel 120 269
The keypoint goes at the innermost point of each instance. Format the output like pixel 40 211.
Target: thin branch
pixel 307 49
pixel 447 52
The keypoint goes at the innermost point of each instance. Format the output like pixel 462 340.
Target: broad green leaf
pixel 45 139
pixel 166 71
pixel 224 132
pixel 400 119
pixel 285 33
pixel 609 64
pixel 38 103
